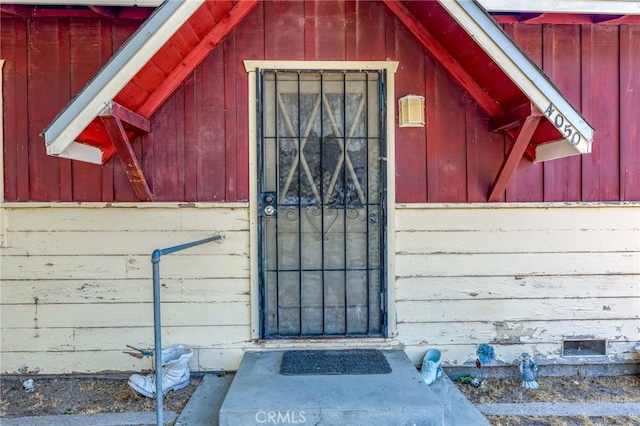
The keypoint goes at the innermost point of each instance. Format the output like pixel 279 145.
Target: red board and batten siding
pixel 38 81
pixel 198 148
pixel 527 184
pixel 629 105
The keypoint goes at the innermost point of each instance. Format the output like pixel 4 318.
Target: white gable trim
pixel 122 67
pixel 524 73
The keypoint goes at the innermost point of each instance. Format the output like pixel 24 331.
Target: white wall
pixel 521 277
pixel 77 285
pixel 76 282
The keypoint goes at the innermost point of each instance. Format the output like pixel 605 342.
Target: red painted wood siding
pixel 198 148
pixel 47 61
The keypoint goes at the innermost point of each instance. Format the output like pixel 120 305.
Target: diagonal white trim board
pixel 122 67
pixel 524 73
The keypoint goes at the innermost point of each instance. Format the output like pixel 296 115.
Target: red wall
pixel 198 148
pixel 48 61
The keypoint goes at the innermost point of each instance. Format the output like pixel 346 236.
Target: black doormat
pixel 326 362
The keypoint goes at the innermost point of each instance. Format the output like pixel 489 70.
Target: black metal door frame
pixel 270 202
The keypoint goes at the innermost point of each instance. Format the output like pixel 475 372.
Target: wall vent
pixel 590 347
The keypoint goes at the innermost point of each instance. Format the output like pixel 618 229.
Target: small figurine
pixel 528 370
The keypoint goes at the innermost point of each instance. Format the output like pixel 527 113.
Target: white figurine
pixel 528 369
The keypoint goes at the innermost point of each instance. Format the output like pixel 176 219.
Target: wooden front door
pixel 321 204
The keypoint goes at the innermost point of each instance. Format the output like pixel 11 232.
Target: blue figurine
pixel 528 370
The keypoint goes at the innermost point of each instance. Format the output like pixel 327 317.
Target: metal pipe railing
pixel 155 259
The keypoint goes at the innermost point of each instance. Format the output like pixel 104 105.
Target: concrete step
pixel 458 410
pixel 259 394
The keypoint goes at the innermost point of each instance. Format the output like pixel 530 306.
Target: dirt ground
pixel 563 421
pixel 82 395
pixel 85 395
pixel 558 389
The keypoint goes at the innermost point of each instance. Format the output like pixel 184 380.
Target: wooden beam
pixel 506 18
pixel 63 13
pixel 196 56
pixel 557 18
pixel 565 18
pixel 108 12
pixel 16 10
pixel 603 7
pixel 131 118
pixel 137 13
pixel 617 20
pixel 514 156
pixel 443 56
pixel 118 136
pixel 514 118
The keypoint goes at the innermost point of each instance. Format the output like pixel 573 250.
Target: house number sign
pixel 563 125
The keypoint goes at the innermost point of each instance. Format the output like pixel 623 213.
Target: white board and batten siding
pixel 76 282
pixel 520 277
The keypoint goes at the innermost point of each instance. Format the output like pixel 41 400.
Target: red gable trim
pixel 457 71
pixel 226 23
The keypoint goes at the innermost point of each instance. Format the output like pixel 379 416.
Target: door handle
pixel 267 204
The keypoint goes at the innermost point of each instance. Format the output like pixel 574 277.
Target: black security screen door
pixel 321 204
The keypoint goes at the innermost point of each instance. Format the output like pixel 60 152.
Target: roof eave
pixel 523 72
pixel 122 67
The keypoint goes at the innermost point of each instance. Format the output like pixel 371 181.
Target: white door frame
pixel 390 67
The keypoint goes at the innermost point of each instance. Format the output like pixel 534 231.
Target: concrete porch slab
pixel 259 394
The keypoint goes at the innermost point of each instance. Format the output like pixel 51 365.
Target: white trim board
pixel 391 67
pixel 605 7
